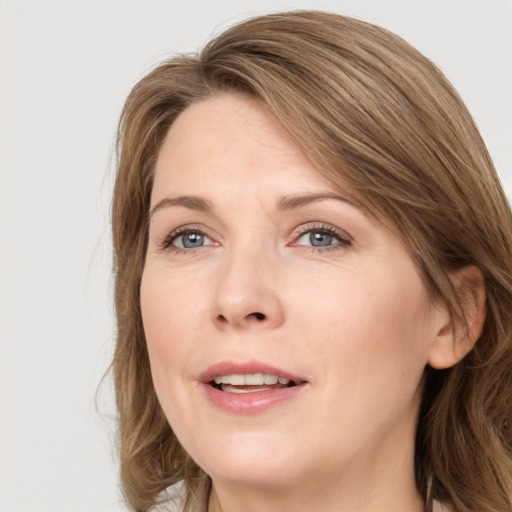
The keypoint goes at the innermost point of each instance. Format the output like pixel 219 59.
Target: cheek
pixel 172 309
pixel 370 326
pixel 169 312
pixel 170 317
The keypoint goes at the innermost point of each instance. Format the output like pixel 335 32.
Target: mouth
pixel 250 383
pixel 249 388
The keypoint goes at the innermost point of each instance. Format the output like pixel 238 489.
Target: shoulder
pixel 439 507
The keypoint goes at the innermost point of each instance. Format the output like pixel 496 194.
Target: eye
pixel 191 240
pixel 187 239
pixel 324 236
pixel 317 239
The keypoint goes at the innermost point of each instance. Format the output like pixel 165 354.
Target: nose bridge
pixel 247 293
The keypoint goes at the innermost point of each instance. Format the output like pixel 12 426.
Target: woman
pixel 313 280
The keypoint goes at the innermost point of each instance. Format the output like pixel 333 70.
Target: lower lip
pixel 250 403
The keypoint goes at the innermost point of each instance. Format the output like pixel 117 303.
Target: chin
pixel 260 460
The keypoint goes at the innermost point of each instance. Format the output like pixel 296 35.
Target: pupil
pixel 191 240
pixel 319 239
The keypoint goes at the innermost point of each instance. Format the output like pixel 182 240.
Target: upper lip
pixel 246 368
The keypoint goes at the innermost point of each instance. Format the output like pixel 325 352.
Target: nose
pixel 247 295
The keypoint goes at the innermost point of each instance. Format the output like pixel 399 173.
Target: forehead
pixel 231 141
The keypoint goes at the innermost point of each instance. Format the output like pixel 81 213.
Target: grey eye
pixel 320 239
pixel 191 240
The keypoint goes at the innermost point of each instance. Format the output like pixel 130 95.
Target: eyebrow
pixel 293 201
pixel 289 202
pixel 191 202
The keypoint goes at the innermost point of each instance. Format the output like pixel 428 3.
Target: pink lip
pixel 248 403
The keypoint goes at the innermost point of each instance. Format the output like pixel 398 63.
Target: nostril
pixel 227 319
pixel 222 319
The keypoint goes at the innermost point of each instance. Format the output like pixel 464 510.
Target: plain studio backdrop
pixel 65 70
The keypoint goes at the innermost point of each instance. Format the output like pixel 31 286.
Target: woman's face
pixel 287 330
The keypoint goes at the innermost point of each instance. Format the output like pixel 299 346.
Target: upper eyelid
pixel 190 227
pixel 321 226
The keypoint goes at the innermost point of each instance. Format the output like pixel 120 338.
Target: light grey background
pixel 65 68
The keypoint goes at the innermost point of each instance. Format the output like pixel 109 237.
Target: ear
pixel 456 336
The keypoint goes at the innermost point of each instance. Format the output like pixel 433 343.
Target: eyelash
pixel 342 237
pixel 167 243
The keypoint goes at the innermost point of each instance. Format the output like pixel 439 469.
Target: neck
pixel 302 502
pixel 368 488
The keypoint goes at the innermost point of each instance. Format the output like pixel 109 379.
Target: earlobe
pixel 457 334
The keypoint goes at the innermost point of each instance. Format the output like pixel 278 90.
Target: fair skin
pixel 255 259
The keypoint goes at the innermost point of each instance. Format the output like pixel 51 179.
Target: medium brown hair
pixel 374 115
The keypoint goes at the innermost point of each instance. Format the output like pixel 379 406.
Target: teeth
pixel 253 379
pixel 270 379
pixel 244 390
pixel 235 380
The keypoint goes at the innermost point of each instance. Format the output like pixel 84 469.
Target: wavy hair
pixel 375 115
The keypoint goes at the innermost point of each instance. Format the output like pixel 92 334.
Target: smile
pixel 250 387
pixel 250 383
